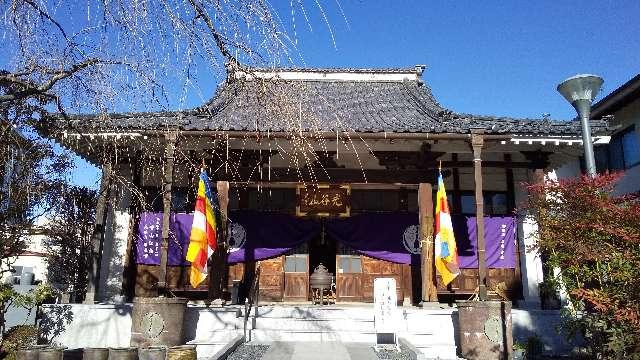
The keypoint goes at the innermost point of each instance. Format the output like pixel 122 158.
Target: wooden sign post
pixel 385 310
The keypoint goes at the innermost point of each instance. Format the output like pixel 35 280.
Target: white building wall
pixel 35 257
pixel 530 261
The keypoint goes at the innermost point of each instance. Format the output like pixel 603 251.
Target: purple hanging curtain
pixel 390 237
pixel 500 241
pixel 256 235
pixel 395 238
pixel 149 238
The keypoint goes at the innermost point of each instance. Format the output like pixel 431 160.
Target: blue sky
pixel 482 57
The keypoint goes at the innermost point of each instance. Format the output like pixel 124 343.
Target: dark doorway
pixel 322 250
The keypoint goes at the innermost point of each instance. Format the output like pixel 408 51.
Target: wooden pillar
pixel 167 184
pixel 425 211
pixel 477 141
pixel 218 269
pixel 511 208
pixel 97 238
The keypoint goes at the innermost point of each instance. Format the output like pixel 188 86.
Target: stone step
pixel 317 336
pixel 295 324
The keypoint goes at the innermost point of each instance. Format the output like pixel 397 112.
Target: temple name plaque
pixel 323 200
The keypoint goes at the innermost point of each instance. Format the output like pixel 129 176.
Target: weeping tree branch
pixel 45 15
pixel 202 13
pixel 28 88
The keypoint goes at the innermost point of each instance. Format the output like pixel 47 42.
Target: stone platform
pixel 431 330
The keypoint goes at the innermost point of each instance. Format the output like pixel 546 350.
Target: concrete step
pixel 428 339
pixel 206 350
pixel 317 312
pixel 213 319
pixel 215 336
pixel 427 325
pixel 439 351
pixel 317 336
pixel 320 325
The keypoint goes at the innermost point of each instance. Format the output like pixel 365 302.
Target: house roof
pixel 617 99
pixel 356 100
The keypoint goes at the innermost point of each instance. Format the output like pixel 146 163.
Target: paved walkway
pixel 319 351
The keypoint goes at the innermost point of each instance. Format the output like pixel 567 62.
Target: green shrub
pixel 17 337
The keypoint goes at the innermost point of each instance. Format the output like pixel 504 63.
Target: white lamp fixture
pixel 580 90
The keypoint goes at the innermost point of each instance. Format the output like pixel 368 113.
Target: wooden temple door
pixel 372 269
pixel 272 279
pixel 348 278
pixel 296 277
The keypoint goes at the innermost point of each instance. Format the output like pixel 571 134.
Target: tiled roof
pixel 376 105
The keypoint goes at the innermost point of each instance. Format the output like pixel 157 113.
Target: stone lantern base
pixel 485 330
pixel 157 321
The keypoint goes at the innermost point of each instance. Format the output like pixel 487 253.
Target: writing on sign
pixel 323 200
pixel 385 300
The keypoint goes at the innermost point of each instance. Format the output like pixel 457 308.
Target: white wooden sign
pixel 385 307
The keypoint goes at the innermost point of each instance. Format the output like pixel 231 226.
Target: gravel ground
pixel 391 353
pixel 248 352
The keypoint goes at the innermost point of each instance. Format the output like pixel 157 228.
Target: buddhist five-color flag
pixel 202 242
pixel 446 254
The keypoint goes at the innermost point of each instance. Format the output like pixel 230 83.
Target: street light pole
pixel 583 107
pixel 580 90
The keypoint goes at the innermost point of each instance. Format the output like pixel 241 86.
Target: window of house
pixel 349 264
pixel 623 151
pixel 295 263
pixel 495 203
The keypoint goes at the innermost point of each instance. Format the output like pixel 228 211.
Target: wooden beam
pixel 477 142
pixel 166 200
pixel 425 210
pixel 97 238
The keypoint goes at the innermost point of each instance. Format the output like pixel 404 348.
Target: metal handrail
pixel 252 299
